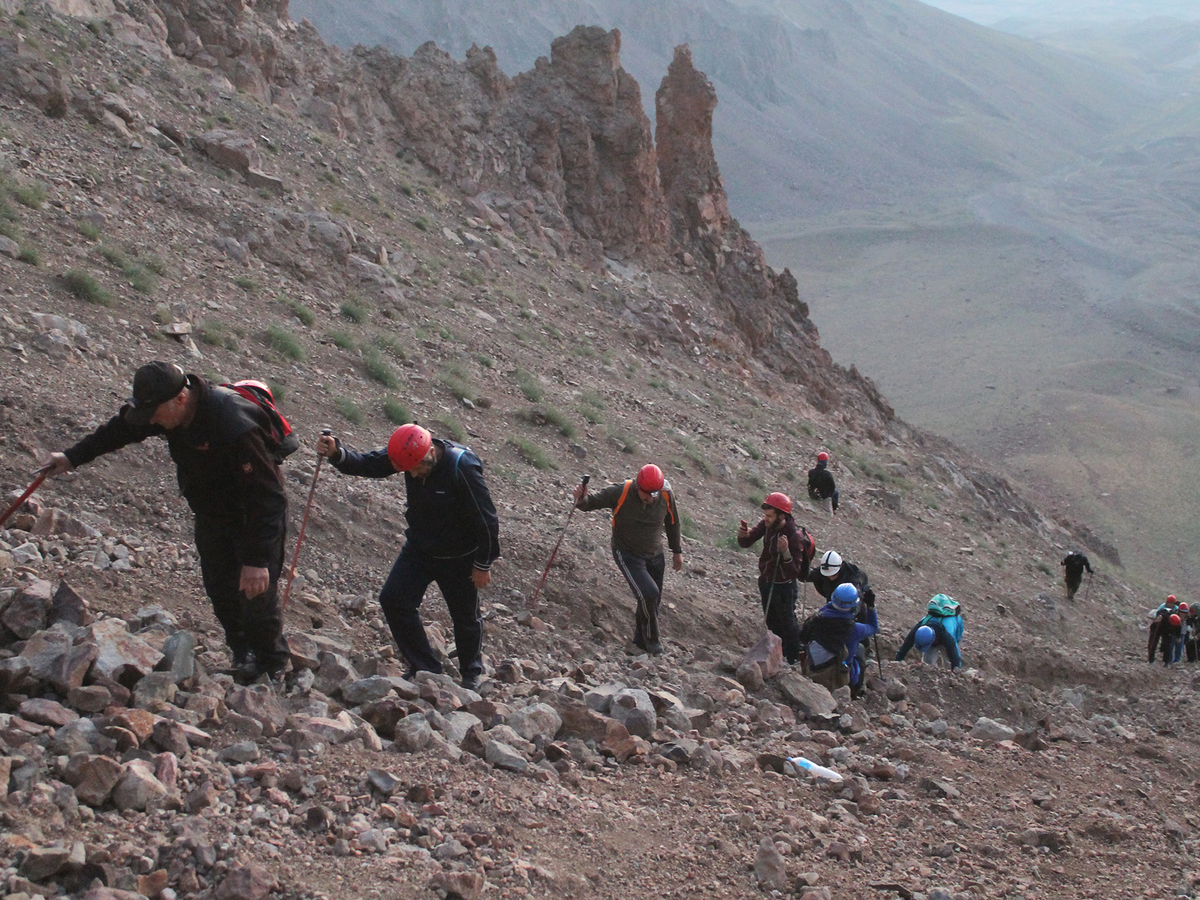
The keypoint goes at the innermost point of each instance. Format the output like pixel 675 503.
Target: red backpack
pixel 282 442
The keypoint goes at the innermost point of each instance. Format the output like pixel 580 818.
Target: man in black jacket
pixel 453 537
pixel 821 486
pixel 1073 564
pixel 227 465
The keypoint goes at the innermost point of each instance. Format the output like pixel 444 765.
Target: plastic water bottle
pixel 817 771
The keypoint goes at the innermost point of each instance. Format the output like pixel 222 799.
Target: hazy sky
pixel 988 12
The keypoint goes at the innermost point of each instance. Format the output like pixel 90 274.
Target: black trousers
pixel 645 577
pixel 254 624
pixel 401 599
pixel 779 607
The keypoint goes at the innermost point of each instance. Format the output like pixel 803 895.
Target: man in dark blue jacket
pixel 453 537
pixel 227 463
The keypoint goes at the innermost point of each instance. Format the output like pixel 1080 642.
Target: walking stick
pixel 16 504
pixel 312 489
pixel 554 553
pixel 1086 591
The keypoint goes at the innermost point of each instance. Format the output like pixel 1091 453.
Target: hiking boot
pixel 470 682
pixel 654 648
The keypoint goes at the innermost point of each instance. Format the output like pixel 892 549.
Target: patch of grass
pixel 86 288
pixel 396 412
pixel 531 453
pixel 628 445
pixel 457 385
pixel 454 430
pixel 143 280
pixel 484 361
pixel 378 369
pixel 211 333
pixel 342 340
pixel 422 222
pixel 283 342
pixel 348 410
pixel 155 264
pixel 538 415
pixel 390 345
pixel 299 310
pixel 530 385
pixel 88 230
pixel 9 230
pixel 29 255
pixel 246 283
pixel 687 525
pixel 355 311
pixel 699 460
pixel 32 194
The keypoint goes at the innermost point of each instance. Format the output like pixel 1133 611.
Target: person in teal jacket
pixel 941 627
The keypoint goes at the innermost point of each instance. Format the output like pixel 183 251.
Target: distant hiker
pixel 1160 629
pixel 1191 630
pixel 831 636
pixel 1074 564
pixel 227 461
pixel 938 633
pixel 452 538
pixel 821 486
pixel 787 551
pixel 643 508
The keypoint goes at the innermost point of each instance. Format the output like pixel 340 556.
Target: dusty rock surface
pixel 356 274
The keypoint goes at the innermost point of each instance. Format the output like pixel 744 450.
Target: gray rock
pixel 503 756
pixel 413 733
pixel 137 788
pixel 769 868
pixel 180 653
pixel 120 652
pixel 810 698
pixel 538 720
pixel 154 691
pixel 366 690
pixel 241 752
pixel 990 730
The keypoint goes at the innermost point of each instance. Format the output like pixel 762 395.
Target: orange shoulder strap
pixel 621 502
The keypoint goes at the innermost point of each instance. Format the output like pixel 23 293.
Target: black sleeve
pixel 265 499
pixel 112 435
pixel 487 523
pixel 368 465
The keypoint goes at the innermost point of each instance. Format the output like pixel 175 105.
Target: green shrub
pixel 343 340
pixel 32 195
pixel 422 222
pixel 531 453
pixel 457 386
pixel 88 230
pixel 9 230
pixel 389 344
pixel 692 452
pixel 551 416
pixel 530 385
pixel 211 333
pixel 396 412
pixel 355 311
pixel 349 410
pixel 86 288
pixel 628 445
pixel 299 310
pixel 284 342
pixel 246 283
pixel 30 255
pixel 378 370
pixel 687 526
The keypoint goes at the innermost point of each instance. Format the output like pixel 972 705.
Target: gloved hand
pixel 868 598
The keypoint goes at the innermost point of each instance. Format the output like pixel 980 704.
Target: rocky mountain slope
pixel 384 237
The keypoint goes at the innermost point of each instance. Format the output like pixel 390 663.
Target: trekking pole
pixel 554 552
pixel 16 504
pixel 878 658
pixel 312 489
pixel 1086 591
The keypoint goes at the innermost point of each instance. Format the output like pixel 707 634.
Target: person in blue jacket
pixel 940 628
pixel 831 636
pixel 453 537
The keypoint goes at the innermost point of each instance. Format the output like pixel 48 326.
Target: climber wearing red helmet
pixel 637 530
pixel 787 551
pixel 821 486
pixel 1165 634
pixel 452 538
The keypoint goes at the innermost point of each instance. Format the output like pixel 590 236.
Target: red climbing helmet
pixel 1175 620
pixel 408 446
pixel 1170 598
pixel 822 456
pixel 1183 607
pixel 779 501
pixel 650 478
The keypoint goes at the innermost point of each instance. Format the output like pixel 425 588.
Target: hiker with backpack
pixel 452 538
pixel 821 487
pixel 831 636
pixel 938 633
pixel 787 551
pixel 227 447
pixel 1160 626
pixel 643 508
pixel 1073 565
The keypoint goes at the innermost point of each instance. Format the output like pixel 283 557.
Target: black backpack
pixel 283 442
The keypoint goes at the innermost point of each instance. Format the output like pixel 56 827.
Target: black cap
pixel 153 384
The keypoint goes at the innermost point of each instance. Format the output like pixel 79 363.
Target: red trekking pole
pixel 37 482
pixel 312 489
pixel 554 553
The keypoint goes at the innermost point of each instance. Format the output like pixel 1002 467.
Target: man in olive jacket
pixel 643 508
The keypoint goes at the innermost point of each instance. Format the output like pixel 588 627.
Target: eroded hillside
pixel 181 182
